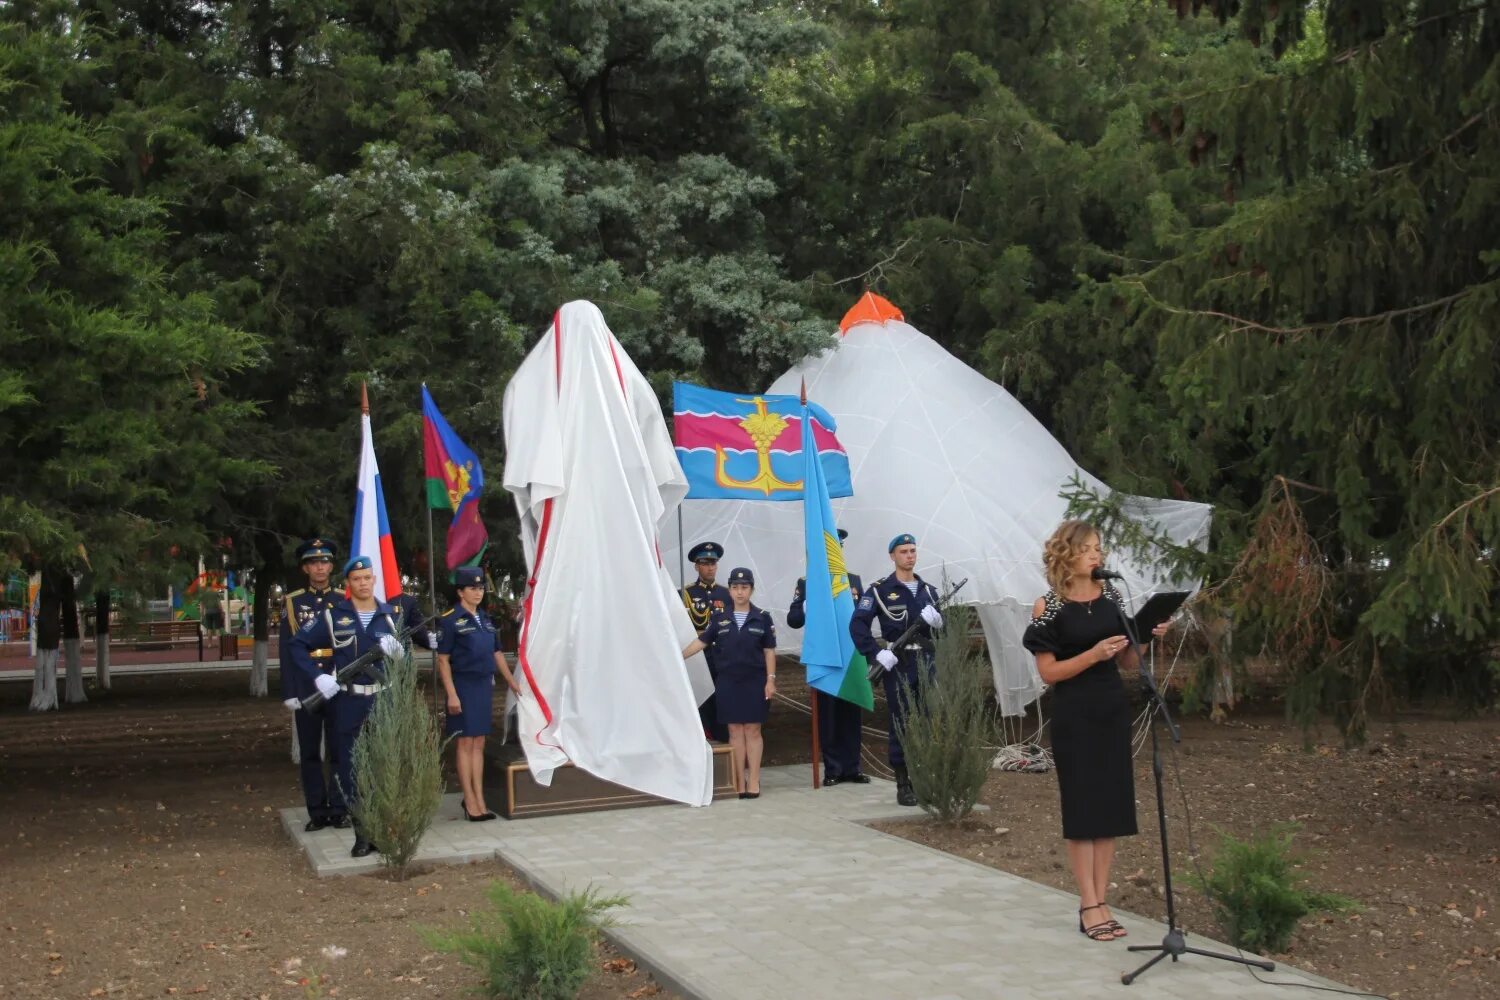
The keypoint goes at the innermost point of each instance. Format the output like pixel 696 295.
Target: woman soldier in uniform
pixel 744 643
pixel 469 655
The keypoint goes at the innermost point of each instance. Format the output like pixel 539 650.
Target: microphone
pixel 1100 573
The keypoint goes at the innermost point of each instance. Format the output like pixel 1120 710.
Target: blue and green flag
pixel 834 666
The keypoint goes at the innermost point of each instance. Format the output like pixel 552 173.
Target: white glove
pixel 293 703
pixel 432 640
pixel 327 686
pixel 887 659
pixel 932 616
pixel 391 647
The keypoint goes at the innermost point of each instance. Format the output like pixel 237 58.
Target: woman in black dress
pixel 744 643
pixel 1077 633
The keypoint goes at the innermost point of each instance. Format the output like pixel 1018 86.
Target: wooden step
pixel 574 790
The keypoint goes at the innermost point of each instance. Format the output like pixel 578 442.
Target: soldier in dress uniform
pixel 745 640
pixel 703 598
pixel 314 729
pixel 469 656
pixel 898 601
pixel 840 722
pixel 350 627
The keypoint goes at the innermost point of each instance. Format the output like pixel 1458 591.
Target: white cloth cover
pixel 937 450
pixel 594 474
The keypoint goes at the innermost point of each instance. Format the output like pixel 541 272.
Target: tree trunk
pixel 48 635
pixel 101 639
pixel 261 614
pixel 72 640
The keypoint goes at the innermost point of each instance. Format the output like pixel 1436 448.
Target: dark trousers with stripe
pixel 839 725
pixel 314 732
pixel 915 667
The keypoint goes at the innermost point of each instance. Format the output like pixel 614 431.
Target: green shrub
pixel 398 768
pixel 1258 895
pixel 530 948
pixel 949 743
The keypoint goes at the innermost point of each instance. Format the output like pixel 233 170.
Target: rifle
pixel 364 662
pixel 875 669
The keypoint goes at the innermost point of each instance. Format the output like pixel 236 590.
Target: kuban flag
pixel 834 666
pixel 372 528
pixel 454 482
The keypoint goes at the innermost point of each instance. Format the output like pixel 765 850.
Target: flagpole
pixel 432 598
pixel 681 553
pixel 812 692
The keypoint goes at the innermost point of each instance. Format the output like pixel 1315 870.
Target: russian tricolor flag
pixel 372 529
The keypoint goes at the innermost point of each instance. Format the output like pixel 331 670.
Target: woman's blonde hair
pixel 1062 550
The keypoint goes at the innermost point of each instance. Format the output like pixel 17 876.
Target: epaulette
pixel 296 593
pixel 445 614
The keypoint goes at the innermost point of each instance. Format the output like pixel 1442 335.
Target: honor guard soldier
pixel 350 627
pixel 469 657
pixel 840 722
pixel 314 729
pixel 703 598
pixel 897 602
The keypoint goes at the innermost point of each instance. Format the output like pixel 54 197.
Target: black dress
pixel 1090 718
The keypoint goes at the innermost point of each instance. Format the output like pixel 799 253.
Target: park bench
pixel 157 635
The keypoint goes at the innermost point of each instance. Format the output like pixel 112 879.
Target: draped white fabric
pixel 594 474
pixel 937 450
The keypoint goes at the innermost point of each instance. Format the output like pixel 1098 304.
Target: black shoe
pixel 487 817
pixel 744 795
pixel 751 795
pixel 829 780
pixel 905 795
pixel 341 822
pixel 362 848
pixel 857 778
pixel 315 824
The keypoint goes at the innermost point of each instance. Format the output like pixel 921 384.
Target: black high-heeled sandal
pixel 1095 932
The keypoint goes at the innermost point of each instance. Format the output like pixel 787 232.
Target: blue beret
pixel 706 550
pixel 468 576
pixel 900 540
pixel 741 575
pixel 315 548
pixel 358 562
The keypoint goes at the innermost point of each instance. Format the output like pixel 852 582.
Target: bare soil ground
pixel 143 858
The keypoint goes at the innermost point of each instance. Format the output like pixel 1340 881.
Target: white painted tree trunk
pixel 73 656
pixel 101 660
pixel 44 685
pixel 260 669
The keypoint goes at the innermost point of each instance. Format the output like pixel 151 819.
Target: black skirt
pixel 1091 753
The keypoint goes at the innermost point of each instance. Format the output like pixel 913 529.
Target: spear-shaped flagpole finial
pixel 804 390
pixel 364 399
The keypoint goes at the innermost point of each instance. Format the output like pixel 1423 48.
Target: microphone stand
pixel 1174 944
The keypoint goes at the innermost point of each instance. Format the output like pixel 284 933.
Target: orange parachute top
pixel 870 308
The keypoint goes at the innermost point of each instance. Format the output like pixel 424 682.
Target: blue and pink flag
pixel 372 528
pixel 744 446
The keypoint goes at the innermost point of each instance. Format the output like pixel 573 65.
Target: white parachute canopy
pixel 938 450
pixel 594 474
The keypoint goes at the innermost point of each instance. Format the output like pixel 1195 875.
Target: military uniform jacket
pixel 739 650
pixel 796 615
pixel 302 606
pixel 470 642
pixel 701 603
pixel 338 628
pixel 896 608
